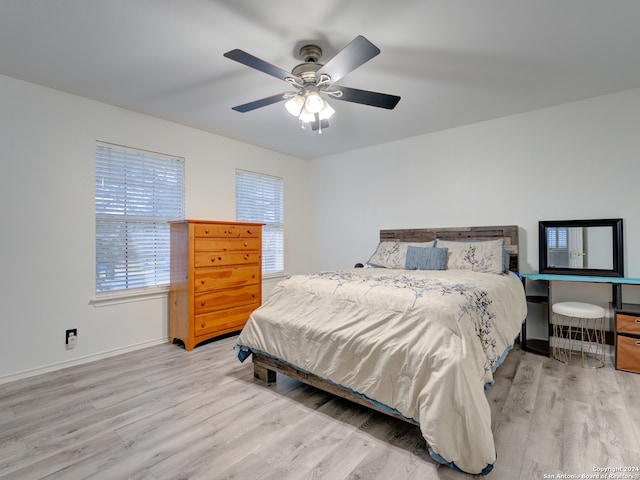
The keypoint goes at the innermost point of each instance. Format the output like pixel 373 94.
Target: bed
pixel 417 335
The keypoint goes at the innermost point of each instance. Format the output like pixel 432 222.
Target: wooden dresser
pixel 627 338
pixel 216 278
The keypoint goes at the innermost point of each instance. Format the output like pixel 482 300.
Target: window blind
pixel 136 194
pixel 557 237
pixel 260 198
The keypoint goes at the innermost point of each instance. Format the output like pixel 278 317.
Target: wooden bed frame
pixel 265 367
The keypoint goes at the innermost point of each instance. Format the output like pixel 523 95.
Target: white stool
pixel 575 322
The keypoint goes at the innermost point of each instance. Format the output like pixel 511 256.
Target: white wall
pixel 47 150
pixel 573 161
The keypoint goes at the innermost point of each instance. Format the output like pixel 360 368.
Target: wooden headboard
pixel 508 232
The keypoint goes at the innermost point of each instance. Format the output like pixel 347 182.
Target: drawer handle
pixel 206 230
pixel 202 282
pixel 249 232
pixel 246 244
pixel 246 257
pixel 202 304
pixel 638 343
pixel 213 259
pixel 637 320
pixel 203 325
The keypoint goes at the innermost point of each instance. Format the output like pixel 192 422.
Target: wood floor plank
pixel 521 398
pixel 39 467
pixel 580 447
pixel 629 386
pixel 342 460
pixel 384 462
pixel 250 428
pixel 299 449
pixel 545 430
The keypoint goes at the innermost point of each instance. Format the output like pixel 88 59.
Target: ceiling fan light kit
pixel 315 82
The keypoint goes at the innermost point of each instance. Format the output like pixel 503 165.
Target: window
pixel 137 194
pixel 259 198
pixel 557 238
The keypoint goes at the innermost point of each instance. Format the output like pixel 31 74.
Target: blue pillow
pixel 506 260
pixel 426 258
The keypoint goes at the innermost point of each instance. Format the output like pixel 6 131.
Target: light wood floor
pixel 164 413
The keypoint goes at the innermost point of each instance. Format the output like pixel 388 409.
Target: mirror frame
pixel 616 236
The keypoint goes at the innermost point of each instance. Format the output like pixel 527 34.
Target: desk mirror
pixel 581 247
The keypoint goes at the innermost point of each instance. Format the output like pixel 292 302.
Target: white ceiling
pixel 453 62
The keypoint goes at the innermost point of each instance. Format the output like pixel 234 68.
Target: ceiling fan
pixel 315 82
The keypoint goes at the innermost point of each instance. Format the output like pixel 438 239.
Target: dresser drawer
pixel 223 321
pixel 226 244
pixel 628 354
pixel 209 259
pixel 230 297
pixel 628 324
pixel 206 279
pixel 226 231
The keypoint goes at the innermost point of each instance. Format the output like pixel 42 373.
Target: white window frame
pixel 558 238
pixel 260 199
pixel 137 193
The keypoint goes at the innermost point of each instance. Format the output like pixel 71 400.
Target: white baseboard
pixel 80 361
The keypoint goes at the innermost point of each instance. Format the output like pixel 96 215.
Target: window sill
pixel 274 276
pixel 141 294
pixel 137 295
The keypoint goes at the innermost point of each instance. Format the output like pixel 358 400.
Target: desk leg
pixel 616 295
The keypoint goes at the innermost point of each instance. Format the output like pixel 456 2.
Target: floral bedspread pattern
pixel 423 343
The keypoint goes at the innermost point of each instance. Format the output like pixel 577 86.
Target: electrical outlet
pixel 71 338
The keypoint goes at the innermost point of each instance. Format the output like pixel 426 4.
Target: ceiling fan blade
pixel 254 62
pixel 367 97
pixel 359 51
pixel 263 102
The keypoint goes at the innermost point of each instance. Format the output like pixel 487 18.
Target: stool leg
pixel 574 336
pixel 559 350
pixel 598 328
pixel 556 336
pixel 592 343
pixel 583 330
pixel 564 334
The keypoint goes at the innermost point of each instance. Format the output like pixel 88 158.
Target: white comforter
pixel 423 343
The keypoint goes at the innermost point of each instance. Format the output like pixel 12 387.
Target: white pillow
pixel 478 256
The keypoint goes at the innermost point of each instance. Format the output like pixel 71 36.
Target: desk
pixel 616 282
pixel 542 345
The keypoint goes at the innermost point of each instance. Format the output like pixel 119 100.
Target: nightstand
pixel 627 337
